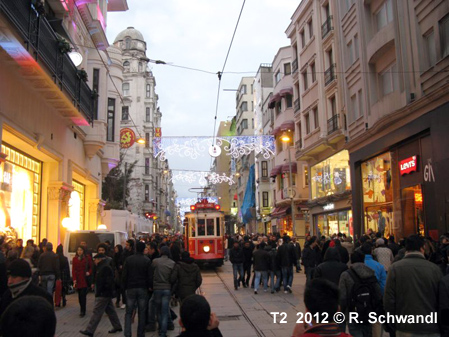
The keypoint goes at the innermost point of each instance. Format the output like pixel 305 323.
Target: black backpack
pixel 363 299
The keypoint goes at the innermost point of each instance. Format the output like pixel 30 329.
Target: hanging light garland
pixel 195 147
pixel 202 177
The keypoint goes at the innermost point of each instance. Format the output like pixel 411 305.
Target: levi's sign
pixel 408 165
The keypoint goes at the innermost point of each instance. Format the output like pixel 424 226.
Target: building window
pixel 331 176
pixel 287 68
pixel 305 175
pixel 310 26
pixel 304 80
pixel 126 66
pixel 264 169
pixel 147 165
pixel 303 38
pixel 147 192
pixel 389 80
pixel 244 124
pixel 429 44
pixel 128 43
pixel 148 90
pixel 264 199
pixel 243 89
pixel 307 120
pixel 244 106
pixel 96 88
pixel 384 15
pixel 147 139
pixel 289 100
pixel 110 120
pixel 356 47
pixel 444 36
pixel 315 118
pixel 252 123
pixel 351 60
pixel 125 88
pixel 140 67
pixel 360 104
pixel 125 113
pixel 277 77
pixel 333 104
pixel 147 114
pixel 353 113
pixel 313 71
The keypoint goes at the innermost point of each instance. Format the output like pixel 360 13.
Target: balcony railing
pixel 329 74
pixel 326 26
pixel 297 105
pixel 332 124
pixel 294 65
pixel 42 42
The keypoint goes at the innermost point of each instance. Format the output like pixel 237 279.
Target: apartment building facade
pixel 320 118
pixel 58 122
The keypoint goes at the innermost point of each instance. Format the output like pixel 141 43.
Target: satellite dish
pixel 214 150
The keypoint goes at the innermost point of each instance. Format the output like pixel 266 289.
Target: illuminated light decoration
pixel 217 207
pixel 206 249
pixel 184 204
pixel 202 177
pixel 141 141
pixel 192 208
pixel 127 138
pixel 64 4
pixel 408 165
pixel 418 197
pixel 76 58
pixel 195 147
pixel 102 226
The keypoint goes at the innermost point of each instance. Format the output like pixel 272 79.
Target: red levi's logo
pixel 408 165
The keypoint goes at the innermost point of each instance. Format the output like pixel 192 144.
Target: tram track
pixel 234 298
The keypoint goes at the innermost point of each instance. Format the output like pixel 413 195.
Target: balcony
pixel 329 74
pixel 332 124
pixel 42 45
pixel 297 105
pixel 326 27
pixel 294 65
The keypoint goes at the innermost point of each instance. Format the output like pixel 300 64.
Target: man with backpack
pixel 359 292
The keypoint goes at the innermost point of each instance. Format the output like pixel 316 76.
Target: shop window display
pixel 19 195
pixel 412 211
pixel 378 194
pixel 331 176
pixel 334 223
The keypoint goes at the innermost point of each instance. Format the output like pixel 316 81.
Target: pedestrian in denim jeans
pixel 236 257
pixel 162 269
pixel 136 281
pixel 261 266
pixel 48 266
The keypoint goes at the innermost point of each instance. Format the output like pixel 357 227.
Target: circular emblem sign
pixel 214 150
pixel 127 138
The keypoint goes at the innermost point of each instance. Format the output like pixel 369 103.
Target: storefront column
pixel 57 209
pixel 94 218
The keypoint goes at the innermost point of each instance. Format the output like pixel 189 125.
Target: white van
pixel 92 239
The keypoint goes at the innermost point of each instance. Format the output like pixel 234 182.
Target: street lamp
pixel 286 139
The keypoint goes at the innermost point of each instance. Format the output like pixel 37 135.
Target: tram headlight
pixel 206 249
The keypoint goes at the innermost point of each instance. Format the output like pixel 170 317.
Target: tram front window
pixel 201 227
pixel 210 227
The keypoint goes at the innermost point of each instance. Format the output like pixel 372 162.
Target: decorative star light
pixel 194 147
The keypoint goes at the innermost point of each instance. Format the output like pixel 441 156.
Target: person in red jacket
pixel 81 270
pixel 321 300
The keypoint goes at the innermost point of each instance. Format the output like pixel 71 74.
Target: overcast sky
pixel 197 34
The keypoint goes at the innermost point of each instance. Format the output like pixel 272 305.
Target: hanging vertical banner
pixel 157 138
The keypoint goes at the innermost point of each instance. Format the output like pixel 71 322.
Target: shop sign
pixel 328 207
pixel 127 138
pixel 428 172
pixel 408 165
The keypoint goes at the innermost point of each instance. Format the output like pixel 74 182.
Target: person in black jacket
pixel 19 285
pixel 332 267
pixel 104 288
pixel 65 274
pixel 297 250
pixel 135 279
pixel 186 276
pixel 286 260
pixel 261 266
pixel 247 262
pixel 309 257
pixel 275 270
pixel 344 255
pixel 236 258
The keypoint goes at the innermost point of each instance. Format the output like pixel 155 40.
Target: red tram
pixel 205 233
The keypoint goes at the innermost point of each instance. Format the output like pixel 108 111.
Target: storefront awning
pixel 275 171
pixel 287 125
pixel 275 98
pixel 286 168
pixel 275 131
pixel 286 91
pixel 279 212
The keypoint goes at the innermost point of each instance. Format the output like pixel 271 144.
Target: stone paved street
pixel 241 313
